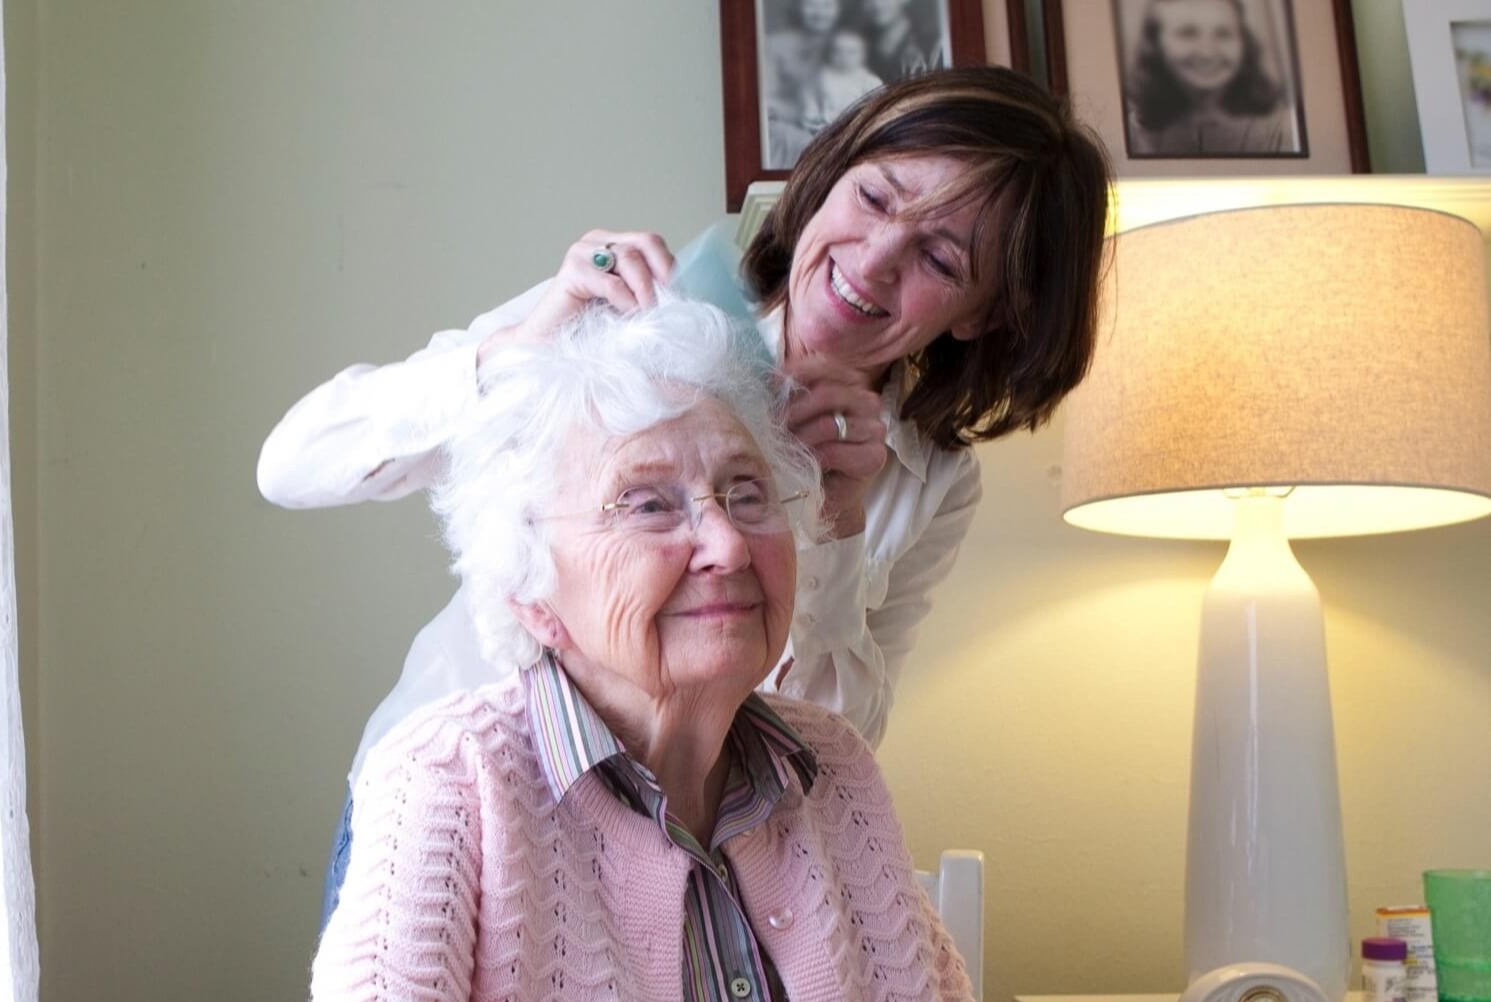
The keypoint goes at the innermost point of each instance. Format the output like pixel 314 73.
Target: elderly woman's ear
pixel 539 620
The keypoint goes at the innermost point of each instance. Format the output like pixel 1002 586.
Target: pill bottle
pixel 1384 969
pixel 1410 923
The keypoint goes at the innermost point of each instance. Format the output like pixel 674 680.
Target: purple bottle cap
pixel 1384 948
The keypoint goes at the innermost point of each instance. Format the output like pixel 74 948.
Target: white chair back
pixel 957 892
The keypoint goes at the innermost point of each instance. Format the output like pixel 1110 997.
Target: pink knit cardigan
pixel 467 880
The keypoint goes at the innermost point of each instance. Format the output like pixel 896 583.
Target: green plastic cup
pixel 1460 911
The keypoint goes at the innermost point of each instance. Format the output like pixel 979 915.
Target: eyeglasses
pixel 751 506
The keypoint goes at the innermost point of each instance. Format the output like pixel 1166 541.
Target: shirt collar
pixel 903 439
pixel 569 735
pixel 571 739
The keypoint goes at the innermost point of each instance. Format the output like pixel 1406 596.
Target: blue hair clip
pixel 708 269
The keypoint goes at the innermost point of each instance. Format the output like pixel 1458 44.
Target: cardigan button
pixel 740 988
pixel 782 919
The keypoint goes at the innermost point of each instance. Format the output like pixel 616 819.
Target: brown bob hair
pixel 1043 180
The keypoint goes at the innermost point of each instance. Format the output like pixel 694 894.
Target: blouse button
pixel 810 584
pixel 740 988
pixel 723 871
pixel 807 619
pixel 782 919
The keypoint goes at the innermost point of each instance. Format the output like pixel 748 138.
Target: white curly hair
pixel 605 374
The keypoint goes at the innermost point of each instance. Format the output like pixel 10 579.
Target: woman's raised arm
pixel 374 432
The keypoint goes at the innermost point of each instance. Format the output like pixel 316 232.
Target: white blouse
pixel 375 433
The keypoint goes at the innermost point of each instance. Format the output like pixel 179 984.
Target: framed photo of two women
pixel 1173 87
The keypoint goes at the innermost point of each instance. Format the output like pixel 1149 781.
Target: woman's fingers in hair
pixel 842 425
pixel 825 412
pixel 857 461
pixel 812 369
pixel 642 262
pixel 835 413
pixel 633 270
pixel 821 430
pixel 620 269
pixel 653 251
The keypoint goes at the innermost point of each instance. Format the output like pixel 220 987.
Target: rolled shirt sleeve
pixel 375 432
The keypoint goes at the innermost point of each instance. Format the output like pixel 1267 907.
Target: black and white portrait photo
pixel 1472 40
pixel 1210 78
pixel 818 57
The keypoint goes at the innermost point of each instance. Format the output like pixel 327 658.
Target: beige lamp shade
pixel 1339 352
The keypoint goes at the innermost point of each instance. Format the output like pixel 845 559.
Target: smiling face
pixel 671 610
pixel 818 16
pixel 869 284
pixel 1201 41
pixel 882 13
pixel 846 52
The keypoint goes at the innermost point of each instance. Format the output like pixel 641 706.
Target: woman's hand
pixel 851 460
pixel 643 262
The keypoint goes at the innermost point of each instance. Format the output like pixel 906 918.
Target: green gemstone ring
pixel 603 258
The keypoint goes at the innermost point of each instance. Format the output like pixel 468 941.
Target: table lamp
pixel 1283 372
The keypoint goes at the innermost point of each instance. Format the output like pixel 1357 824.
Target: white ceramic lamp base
pixel 1253 983
pixel 1265 869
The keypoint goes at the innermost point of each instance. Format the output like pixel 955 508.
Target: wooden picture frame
pixel 1305 116
pixel 1449 47
pixel 753 150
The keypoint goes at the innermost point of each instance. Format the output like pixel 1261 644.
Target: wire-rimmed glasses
pixel 752 506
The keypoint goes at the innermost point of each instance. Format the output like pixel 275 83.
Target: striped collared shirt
pixel 722 962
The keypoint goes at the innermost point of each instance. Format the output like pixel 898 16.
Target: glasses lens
pixel 753 507
pixel 648 509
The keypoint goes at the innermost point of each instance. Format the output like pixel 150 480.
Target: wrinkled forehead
pixel 946 188
pixel 954 196
pixel 704 443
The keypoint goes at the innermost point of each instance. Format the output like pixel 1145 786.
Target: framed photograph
pixel 792 66
pixel 1449 45
pixel 1219 87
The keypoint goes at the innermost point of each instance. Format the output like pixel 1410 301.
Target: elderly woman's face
pixel 868 285
pixel 671 608
pixel 1201 41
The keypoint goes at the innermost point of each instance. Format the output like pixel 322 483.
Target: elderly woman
pixel 929 279
pixel 625 818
